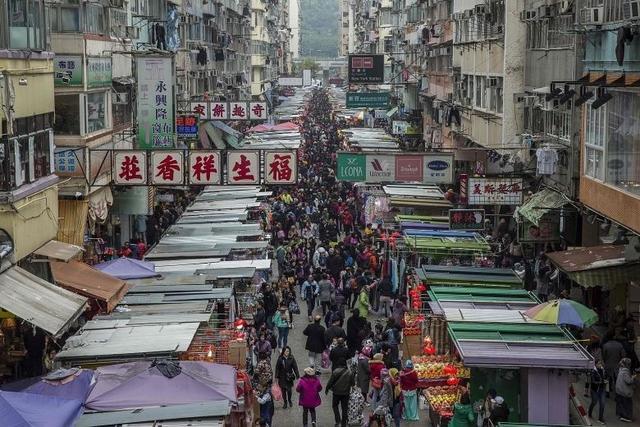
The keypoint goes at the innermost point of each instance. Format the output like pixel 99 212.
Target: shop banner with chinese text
pixel 155 106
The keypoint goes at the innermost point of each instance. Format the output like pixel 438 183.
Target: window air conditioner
pixel 564 6
pixel 481 9
pixel 593 15
pixel 120 98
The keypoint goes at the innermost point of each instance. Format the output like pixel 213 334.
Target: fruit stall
pixel 438 369
pixel 441 400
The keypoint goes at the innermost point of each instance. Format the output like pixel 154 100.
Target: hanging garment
pixel 159 36
pixel 201 57
pixel 624 36
pixel 547 161
pixel 454 116
pixel 219 55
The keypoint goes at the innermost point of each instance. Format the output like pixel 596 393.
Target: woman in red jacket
pixel 376 365
pixel 409 386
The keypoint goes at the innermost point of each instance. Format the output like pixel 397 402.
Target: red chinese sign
pixel 243 167
pixel 280 167
pixel 130 168
pixel 204 167
pixel 238 111
pixel 200 109
pixel 495 191
pixel 258 110
pixel 167 167
pixel 218 111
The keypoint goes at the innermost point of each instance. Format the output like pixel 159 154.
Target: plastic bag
pixel 326 362
pixel 276 392
pixel 294 307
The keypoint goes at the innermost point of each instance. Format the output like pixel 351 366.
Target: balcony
pixel 26 25
pixel 88 18
pixel 602 12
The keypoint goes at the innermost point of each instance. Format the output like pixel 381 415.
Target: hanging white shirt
pixel 547 161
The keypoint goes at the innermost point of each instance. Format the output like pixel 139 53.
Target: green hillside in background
pixel 319 28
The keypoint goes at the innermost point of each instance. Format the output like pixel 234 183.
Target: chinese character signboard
pixel 204 167
pixel 200 167
pixel 280 167
pixel 258 111
pixel 67 71
pixel 351 167
pixel 367 69
pixel 367 99
pixel 218 111
pixel 547 230
pixel 130 167
pixel 466 219
pixel 200 109
pixel 229 110
pixel 238 111
pixel 69 161
pixel 494 191
pixel 98 72
pixel 431 168
pixel 243 167
pixel 167 167
pixel 187 126
pixel 155 102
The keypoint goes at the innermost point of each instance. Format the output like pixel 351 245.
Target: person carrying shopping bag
pixel 286 374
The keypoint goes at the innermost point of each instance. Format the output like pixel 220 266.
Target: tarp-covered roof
pixel 540 203
pixel 39 302
pixel 141 384
pixel 603 265
pixel 128 268
pixel 81 278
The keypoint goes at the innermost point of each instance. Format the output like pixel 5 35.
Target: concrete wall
pixel 514 62
pixel 35 94
pixel 31 221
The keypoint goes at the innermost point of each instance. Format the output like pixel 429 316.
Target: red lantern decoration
pixel 429 350
pixel 453 381
pixel 450 370
pixel 422 287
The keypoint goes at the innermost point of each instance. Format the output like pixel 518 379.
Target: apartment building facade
pixel 28 184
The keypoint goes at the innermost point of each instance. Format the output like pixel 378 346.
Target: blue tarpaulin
pixel 19 409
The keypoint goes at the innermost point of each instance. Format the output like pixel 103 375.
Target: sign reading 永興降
pixel 156 115
pixel 430 168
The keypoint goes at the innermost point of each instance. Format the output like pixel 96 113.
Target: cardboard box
pixel 238 354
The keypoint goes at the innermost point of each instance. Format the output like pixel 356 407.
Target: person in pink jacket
pixel 309 388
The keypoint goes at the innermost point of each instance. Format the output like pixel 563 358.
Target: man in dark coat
pixel 315 342
pixel 339 355
pixel 341 381
pixel 355 324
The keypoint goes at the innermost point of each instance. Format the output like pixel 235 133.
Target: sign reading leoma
pixel 367 99
pixel 351 167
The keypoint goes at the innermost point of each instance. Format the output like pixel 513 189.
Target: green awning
pixel 607 277
pixel 541 203
pixel 392 112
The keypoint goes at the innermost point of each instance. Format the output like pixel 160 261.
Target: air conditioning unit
pixel 593 15
pixel 116 3
pixel 120 98
pixel 132 32
pixel 467 13
pixel 531 14
pixel 458 16
pixel 544 12
pixel 631 9
pixel 523 15
pixel 481 9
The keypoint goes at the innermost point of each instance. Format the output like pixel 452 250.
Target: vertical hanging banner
pixel 280 167
pixel 156 115
pixel 167 167
pixel 243 167
pixel 130 167
pixel 204 167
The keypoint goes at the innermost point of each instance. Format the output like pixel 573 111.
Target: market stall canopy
pixel 144 384
pixel 39 302
pixel 157 340
pixel 506 345
pixel 80 278
pixel 459 303
pixel 540 203
pixel 59 250
pixel 603 265
pixel 463 276
pixel 71 383
pixel 30 409
pixel 128 268
pixel 209 414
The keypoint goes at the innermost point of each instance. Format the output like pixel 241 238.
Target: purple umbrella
pixel 142 384
pixel 128 268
